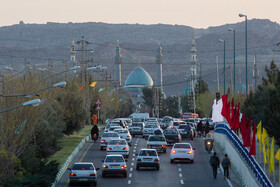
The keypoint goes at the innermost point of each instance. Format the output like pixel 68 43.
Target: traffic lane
pixel 200 172
pixel 95 155
pixel 167 175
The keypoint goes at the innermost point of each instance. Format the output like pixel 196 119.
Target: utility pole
pixel 218 81
pixel 256 73
pixel 65 68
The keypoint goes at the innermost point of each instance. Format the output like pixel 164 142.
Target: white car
pixel 124 133
pixel 118 146
pixel 182 151
pixel 114 164
pixel 149 129
pixel 106 137
pixel 111 125
pixel 157 142
pixel 147 158
pixel 83 172
pixel 136 128
pixel 112 128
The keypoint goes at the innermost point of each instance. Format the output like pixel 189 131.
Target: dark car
pixel 172 135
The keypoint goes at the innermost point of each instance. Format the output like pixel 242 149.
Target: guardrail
pixel 69 160
pixel 250 160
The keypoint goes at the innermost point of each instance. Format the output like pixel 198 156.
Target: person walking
pixel 214 162
pixel 226 165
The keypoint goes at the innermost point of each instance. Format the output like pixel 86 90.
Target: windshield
pixel 156 138
pixel 186 146
pixel 183 126
pixel 117 142
pixel 114 159
pixel 137 125
pixel 151 126
pixel 122 131
pixel 147 153
pixel 82 167
pixel 110 135
pixel 170 132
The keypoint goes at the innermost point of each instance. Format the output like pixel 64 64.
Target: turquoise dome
pixel 138 79
pixel 187 90
pixel 240 88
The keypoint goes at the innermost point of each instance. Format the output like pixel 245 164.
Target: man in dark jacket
pixel 215 162
pixel 226 165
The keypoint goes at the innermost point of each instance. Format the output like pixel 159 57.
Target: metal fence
pixel 250 160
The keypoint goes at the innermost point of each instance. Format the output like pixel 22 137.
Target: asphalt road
pixel 178 174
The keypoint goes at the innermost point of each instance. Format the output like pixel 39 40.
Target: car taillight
pixel 156 160
pixel 109 149
pixel 145 131
pixel 141 129
pixel 173 151
pixel 123 166
pixel 149 145
pixel 102 141
pixel 92 174
pixel 105 166
pixel 125 148
pixel 138 159
pixel 190 152
pixel 127 135
pixel 73 174
pixel 163 145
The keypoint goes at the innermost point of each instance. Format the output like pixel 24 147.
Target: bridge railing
pixel 250 160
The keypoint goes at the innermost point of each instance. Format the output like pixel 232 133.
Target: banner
pixel 259 131
pixel 253 145
pixel 92 84
pixel 271 157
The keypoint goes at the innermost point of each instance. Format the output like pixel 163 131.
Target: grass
pixel 68 144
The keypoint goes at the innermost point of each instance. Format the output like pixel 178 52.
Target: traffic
pixel 156 142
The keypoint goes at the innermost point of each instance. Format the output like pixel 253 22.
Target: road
pixel 178 174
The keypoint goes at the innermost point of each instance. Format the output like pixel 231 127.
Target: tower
pixel 193 73
pixel 159 67
pixel 73 53
pixel 118 60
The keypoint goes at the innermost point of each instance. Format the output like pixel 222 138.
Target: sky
pixel 195 13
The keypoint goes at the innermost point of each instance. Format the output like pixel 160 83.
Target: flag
pixel 232 108
pixel 253 145
pixel 277 156
pixel 271 157
pixel 247 133
pixel 259 131
pixel 224 109
pixel 92 84
pixel 266 153
pixel 20 128
pixel 101 89
pixel 42 101
pixel 264 136
pixel 81 88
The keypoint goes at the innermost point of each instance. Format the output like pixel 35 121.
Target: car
pixel 186 131
pixel 182 151
pixel 118 146
pixel 136 128
pixel 157 142
pixel 111 125
pixel 149 129
pixel 112 128
pixel 147 158
pixel 83 172
pixel 172 135
pixel 177 123
pixel 106 136
pixel 124 133
pixel 114 164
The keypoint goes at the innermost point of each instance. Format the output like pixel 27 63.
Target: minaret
pixel 193 72
pixel 159 67
pixel 118 60
pixel 73 53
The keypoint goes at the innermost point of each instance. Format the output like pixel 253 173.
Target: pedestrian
pixel 207 128
pixel 226 165
pixel 215 162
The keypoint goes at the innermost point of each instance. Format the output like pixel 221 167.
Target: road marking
pixel 180 174
pixel 182 182
pixel 134 147
pixel 133 154
pixel 228 181
pixel 135 144
pixel 129 182
pixel 133 159
pixel 130 175
pixel 66 184
pixel 131 169
pixel 180 169
pixel 134 150
pixel 132 164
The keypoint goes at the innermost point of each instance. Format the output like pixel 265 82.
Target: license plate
pixel 114 167
pixel 147 159
pixel 83 179
pixel 181 151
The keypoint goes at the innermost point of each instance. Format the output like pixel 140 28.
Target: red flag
pixel 81 88
pixel 247 133
pixel 253 145
pixel 224 99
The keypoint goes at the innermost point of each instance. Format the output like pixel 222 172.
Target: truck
pixel 139 117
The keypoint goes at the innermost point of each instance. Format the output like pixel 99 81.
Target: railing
pixel 251 161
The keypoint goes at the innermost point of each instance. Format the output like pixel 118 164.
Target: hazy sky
pixel 195 13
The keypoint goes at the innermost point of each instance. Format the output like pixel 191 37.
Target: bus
pixel 187 115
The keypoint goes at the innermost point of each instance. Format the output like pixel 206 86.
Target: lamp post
pixel 70 69
pixel 34 102
pixel 231 29
pixel 223 41
pixel 243 15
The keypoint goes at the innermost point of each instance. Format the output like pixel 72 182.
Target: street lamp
pixel 70 69
pixel 34 102
pixel 223 41
pixel 243 15
pixel 231 29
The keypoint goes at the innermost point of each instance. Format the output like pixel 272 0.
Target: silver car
pixel 83 172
